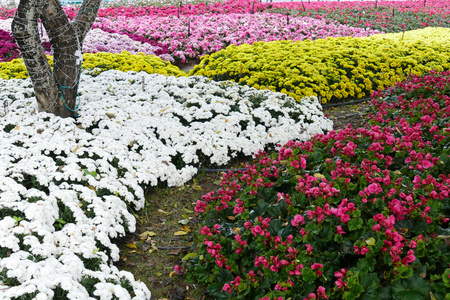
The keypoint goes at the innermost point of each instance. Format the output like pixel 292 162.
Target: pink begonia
pixel 298 219
pixel 339 230
pixel 227 288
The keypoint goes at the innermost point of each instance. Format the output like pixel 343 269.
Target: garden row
pixel 187 38
pixel 67 188
pixel 361 213
pixel 386 16
pixel 185 33
pixel 332 69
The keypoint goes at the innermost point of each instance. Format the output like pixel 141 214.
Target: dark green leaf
pixel 414 288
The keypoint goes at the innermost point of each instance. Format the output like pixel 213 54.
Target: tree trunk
pixel 55 90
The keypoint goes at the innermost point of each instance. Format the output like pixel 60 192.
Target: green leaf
pixel 411 288
pixel 445 278
pixel 224 276
pixel 366 264
pixel 354 224
pixel 352 186
pixel 92 173
pixel 308 275
pixel 189 255
pixel 369 281
pixel 275 227
pixel 370 241
pixel 327 233
pixel 354 286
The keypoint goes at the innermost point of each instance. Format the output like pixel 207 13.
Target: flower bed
pixel 66 187
pixel 387 16
pixel 94 64
pixel 359 213
pixel 334 69
pixel 189 37
pixel 96 40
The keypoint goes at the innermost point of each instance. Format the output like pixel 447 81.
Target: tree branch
pixel 86 17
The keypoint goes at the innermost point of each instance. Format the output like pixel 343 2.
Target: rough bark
pixel 56 90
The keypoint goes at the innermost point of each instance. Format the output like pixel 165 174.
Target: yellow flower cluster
pixel 128 62
pixel 333 69
pixel 102 61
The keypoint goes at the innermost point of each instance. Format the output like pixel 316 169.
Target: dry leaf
pixel 146 234
pixel 131 245
pixel 175 252
pixel 180 233
pixel 76 149
pixel 185 228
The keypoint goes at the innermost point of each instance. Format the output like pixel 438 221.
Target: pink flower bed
pixel 98 40
pixel 357 213
pixel 190 37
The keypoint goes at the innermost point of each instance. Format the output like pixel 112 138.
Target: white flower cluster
pixel 65 186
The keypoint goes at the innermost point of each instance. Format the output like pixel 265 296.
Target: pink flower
pixel 227 288
pixel 297 220
pixel 339 230
pixel 205 230
pixel 374 188
pixel 321 292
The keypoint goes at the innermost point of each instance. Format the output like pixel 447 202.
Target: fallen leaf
pixel 184 221
pixel 175 252
pixel 162 211
pixel 196 187
pixel 180 233
pixel 146 234
pixel 189 255
pixel 16 128
pixel 185 228
pixel 131 245
pixel 231 218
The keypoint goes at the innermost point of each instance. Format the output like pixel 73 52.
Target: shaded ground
pixel 165 226
pixel 347 114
